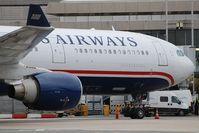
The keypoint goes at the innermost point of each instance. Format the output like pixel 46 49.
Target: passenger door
pixel 162 57
pixel 58 52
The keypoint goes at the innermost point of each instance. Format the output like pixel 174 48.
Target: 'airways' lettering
pixel 121 40
pixel 60 40
pixel 109 40
pixel 92 40
pixel 45 40
pixel 81 40
pixel 70 39
pixel 132 42
pixel 95 40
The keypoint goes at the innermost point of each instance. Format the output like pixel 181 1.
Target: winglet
pixel 36 17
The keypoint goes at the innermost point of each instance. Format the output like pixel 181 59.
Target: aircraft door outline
pixel 162 57
pixel 58 53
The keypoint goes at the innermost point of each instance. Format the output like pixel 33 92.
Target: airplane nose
pixel 190 67
pixel 185 68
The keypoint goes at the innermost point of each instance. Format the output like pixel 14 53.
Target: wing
pixel 17 44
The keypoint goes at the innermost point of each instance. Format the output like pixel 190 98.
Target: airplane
pixel 50 68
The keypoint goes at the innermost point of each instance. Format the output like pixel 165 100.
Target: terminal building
pixel 176 21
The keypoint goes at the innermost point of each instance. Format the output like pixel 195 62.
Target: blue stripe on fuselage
pixel 121 85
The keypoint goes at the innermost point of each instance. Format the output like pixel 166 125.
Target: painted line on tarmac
pixel 31 130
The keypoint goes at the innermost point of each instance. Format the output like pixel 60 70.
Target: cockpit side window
pixel 180 53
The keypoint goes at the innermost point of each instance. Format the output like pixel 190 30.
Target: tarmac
pixel 101 124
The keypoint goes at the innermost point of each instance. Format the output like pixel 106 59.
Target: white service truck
pixel 177 102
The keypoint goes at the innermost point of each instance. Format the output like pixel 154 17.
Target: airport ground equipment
pixel 106 110
pixel 176 102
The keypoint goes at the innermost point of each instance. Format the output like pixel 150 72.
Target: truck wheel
pixel 181 113
pixel 139 113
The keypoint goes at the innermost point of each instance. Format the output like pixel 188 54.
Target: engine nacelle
pixel 48 91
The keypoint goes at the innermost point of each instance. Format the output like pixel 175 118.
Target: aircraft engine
pixel 48 91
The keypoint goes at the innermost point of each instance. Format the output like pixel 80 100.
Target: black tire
pixel 181 113
pixel 139 113
pixel 136 113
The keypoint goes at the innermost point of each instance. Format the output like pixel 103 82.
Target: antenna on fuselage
pixel 113 29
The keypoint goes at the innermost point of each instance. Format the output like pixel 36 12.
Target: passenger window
pixel 100 51
pixel 85 50
pixel 142 52
pixel 164 99
pixel 114 52
pixel 95 51
pixel 36 49
pixel 110 52
pixel 138 52
pixel 147 53
pixel 80 50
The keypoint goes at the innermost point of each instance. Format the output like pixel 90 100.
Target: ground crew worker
pixel 196 107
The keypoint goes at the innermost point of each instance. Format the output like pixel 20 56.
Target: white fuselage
pixel 107 54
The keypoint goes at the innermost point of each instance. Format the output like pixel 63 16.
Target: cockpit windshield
pixel 180 53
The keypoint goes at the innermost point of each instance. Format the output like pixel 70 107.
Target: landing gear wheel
pixel 136 113
pixel 139 113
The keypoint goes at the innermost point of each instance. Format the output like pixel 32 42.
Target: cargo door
pixel 162 57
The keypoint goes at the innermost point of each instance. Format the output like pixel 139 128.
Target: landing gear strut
pixel 134 109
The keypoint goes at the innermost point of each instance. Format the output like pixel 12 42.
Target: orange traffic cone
pixel 117 114
pixel 157 114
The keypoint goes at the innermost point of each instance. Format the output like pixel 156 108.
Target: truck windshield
pixel 174 99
